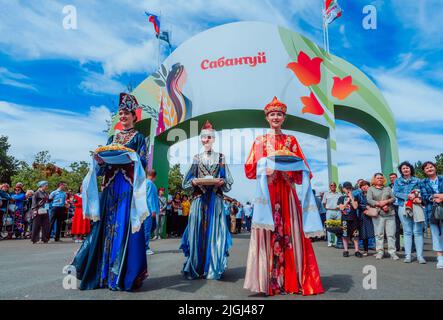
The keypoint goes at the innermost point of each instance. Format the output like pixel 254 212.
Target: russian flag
pixel 152 18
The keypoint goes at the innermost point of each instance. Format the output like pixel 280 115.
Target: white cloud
pixel 69 136
pixel 103 33
pixel 100 83
pixel 418 146
pixel 136 58
pixel 345 41
pixel 15 79
pixel 410 98
pixel 416 106
pixel 423 18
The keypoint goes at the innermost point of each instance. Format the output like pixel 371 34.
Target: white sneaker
pixel 155 238
pixel 149 252
pixel 329 244
pixel 421 260
pixel 379 255
pixel 394 257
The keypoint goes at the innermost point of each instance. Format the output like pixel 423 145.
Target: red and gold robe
pixel 282 261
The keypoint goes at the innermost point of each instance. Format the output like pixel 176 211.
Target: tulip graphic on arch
pixel 342 88
pixel 306 69
pixel 311 105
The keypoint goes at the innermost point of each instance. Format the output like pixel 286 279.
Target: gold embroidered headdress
pixel 275 105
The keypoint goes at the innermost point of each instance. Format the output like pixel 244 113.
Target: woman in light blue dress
pixel 206 240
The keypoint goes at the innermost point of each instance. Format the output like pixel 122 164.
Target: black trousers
pixel 175 227
pixel 172 223
pixel 183 223
pixel 58 216
pixel 238 225
pixel 366 245
pixel 40 222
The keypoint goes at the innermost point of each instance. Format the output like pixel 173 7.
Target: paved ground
pixel 35 272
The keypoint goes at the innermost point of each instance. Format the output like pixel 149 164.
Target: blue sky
pixel 62 84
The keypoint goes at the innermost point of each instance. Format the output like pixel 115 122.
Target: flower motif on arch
pixel 306 69
pixel 311 105
pixel 343 88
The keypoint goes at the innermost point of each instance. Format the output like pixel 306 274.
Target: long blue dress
pixel 112 256
pixel 206 240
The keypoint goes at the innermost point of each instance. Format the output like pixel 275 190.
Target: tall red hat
pixel 208 129
pixel 275 105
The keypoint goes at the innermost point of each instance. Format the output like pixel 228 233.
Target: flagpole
pixel 325 31
pixel 327 38
pixel 158 38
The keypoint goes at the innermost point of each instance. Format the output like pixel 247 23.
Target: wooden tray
pixel 207 182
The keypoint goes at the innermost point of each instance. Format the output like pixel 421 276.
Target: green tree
pixel 438 162
pixel 29 176
pixel 418 171
pixel 175 178
pixel 42 158
pixel 8 164
pixel 75 175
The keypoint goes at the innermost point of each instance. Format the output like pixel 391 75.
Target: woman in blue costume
pixel 206 240
pixel 113 256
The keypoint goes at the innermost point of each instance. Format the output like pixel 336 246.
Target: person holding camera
pixel 350 223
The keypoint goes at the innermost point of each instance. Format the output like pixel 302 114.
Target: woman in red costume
pixel 80 226
pixel 280 261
